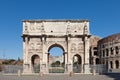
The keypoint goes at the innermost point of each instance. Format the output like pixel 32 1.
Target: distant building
pixel 109 52
pixel 1 61
pixel 58 58
pixel 94 56
pixel 53 59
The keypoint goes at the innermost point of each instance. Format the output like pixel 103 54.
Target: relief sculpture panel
pixel 80 47
pixel 36 27
pixel 35 45
pixel 73 47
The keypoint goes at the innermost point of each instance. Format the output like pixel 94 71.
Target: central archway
pixel 77 67
pixel 56 59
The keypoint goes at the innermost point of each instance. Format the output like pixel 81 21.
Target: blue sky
pixel 104 16
pixel 56 51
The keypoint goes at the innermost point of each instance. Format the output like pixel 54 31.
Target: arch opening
pixel 56 51
pixel 111 64
pixel 35 60
pixel 117 64
pixel 77 61
pixel 97 60
pixel 56 59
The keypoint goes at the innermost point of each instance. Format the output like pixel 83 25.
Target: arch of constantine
pixel 39 36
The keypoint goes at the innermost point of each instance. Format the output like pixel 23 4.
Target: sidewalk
pixel 58 77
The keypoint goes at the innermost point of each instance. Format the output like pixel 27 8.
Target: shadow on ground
pixel 115 76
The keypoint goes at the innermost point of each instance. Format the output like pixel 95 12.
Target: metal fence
pixel 56 68
pixel 97 68
pixel 77 68
pixel 36 68
pixel 100 68
pixel 12 68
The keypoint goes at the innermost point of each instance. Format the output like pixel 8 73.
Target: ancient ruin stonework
pixel 109 52
pixel 94 56
pixel 39 36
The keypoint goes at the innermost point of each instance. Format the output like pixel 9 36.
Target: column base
pixel 26 69
pixel 68 68
pixel 44 69
pixel 86 69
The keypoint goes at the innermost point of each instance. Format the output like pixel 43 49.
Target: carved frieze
pixel 35 45
pixel 34 27
pixel 85 29
pixel 76 28
pixel 77 47
pixel 38 28
pixel 80 47
pixel 55 42
pixel 68 27
pixel 73 47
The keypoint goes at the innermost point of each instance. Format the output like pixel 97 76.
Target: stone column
pixel 69 61
pixel 43 51
pixel 82 65
pixel 109 66
pixel 94 66
pixel 109 53
pixel 105 53
pixel 119 64
pixel 44 58
pixel 114 66
pixel 68 47
pixel 27 64
pixel 65 57
pixel 26 49
pixel 114 53
pixel 86 56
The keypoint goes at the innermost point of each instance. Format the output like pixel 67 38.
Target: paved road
pixel 61 77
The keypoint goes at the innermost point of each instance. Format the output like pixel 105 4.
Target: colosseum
pixel 109 52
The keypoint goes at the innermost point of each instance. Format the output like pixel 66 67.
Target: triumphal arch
pixel 72 36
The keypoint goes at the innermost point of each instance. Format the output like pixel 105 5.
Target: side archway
pixel 77 61
pixel 35 60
